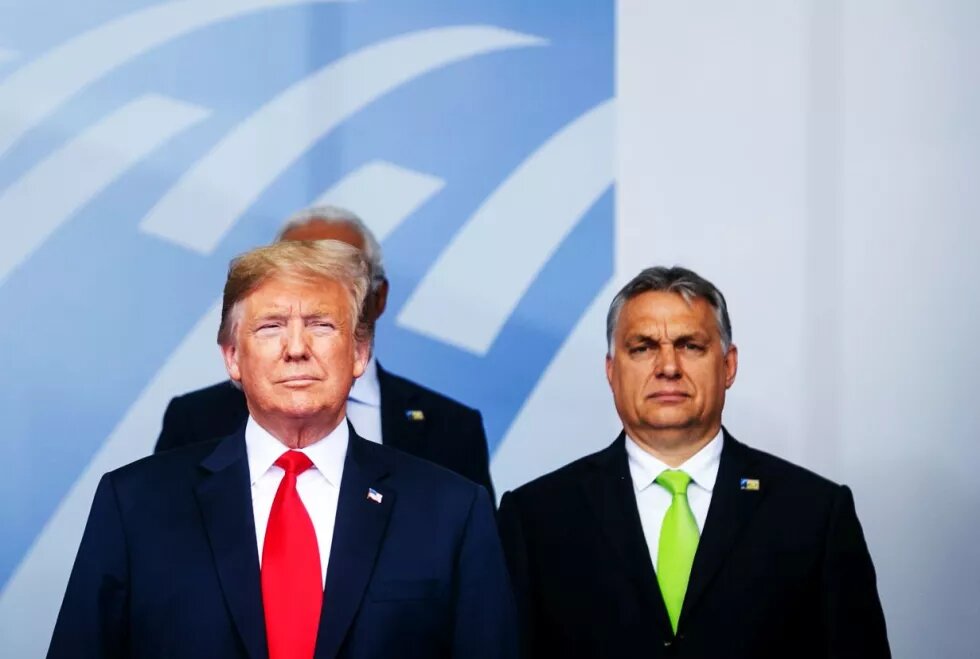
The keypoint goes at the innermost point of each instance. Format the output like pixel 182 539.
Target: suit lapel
pixel 224 498
pixel 609 490
pixel 358 533
pixel 731 508
pixel 400 426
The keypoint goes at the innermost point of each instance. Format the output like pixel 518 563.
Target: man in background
pixel 383 407
pixel 678 540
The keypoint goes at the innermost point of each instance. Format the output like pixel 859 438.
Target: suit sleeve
pixel 485 625
pixel 93 623
pixel 855 623
pixel 172 430
pixel 515 553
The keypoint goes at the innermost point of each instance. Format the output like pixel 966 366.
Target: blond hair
pixel 302 260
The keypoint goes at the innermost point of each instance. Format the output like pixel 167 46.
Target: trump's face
pixel 294 351
pixel 667 370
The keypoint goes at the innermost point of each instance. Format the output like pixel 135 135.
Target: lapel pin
pixel 374 495
pixel 414 415
pixel 750 484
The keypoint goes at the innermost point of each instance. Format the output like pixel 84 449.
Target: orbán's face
pixel 668 371
pixel 294 350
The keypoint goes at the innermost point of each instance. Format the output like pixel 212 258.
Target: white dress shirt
pixel 318 487
pixel 364 403
pixel 653 500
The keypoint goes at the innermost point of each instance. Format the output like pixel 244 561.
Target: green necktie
pixel 678 542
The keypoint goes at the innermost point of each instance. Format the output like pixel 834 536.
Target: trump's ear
pixel 230 354
pixel 362 353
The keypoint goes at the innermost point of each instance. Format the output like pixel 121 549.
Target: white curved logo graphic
pixel 210 197
pixel 84 167
pixel 542 189
pixel 549 191
pixel 30 94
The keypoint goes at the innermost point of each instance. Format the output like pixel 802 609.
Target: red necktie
pixel 292 587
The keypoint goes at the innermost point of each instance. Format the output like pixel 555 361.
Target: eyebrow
pixel 280 313
pixel 697 335
pixel 272 315
pixel 280 317
pixel 338 319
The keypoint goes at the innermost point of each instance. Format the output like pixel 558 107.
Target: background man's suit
pixel 450 434
pixel 783 571
pixel 168 565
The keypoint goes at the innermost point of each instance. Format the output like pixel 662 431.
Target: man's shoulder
pixel 417 474
pixel 166 470
pixel 424 395
pixel 558 483
pixel 755 462
pixel 220 393
pixel 789 476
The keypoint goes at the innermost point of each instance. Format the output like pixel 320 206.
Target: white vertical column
pixel 712 175
pixel 909 200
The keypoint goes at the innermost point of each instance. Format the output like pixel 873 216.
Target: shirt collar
pixel 327 454
pixel 366 389
pixel 702 467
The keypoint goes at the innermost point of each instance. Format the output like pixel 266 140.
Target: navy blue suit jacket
pixel 448 433
pixel 168 565
pixel 781 570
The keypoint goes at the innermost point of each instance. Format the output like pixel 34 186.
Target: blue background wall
pixel 519 161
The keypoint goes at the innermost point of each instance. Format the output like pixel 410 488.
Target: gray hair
pixel 338 215
pixel 686 283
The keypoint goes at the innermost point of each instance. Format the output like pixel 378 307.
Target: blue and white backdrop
pixel 518 161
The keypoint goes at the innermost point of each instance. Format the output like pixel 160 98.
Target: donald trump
pixel 292 538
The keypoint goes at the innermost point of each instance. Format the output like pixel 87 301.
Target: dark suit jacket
pixel 451 434
pixel 779 572
pixel 168 565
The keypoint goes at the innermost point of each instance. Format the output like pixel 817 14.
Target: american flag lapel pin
pixel 374 495
pixel 749 484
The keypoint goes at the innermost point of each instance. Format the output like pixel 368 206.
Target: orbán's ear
pixel 731 365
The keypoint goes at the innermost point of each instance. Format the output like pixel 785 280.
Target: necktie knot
pixel 675 481
pixel 294 462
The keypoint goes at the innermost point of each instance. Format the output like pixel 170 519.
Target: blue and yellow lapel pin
pixel 749 484
pixel 415 415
